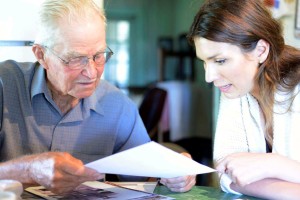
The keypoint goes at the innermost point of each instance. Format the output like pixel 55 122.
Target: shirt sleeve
pixel 131 133
pixel 230 135
pixel 131 130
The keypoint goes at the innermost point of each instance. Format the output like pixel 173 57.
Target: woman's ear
pixel 262 50
pixel 39 53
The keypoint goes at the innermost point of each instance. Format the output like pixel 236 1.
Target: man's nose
pixel 90 68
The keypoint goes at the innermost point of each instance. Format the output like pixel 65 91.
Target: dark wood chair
pixel 151 109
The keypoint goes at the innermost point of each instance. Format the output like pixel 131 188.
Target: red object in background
pixel 270 3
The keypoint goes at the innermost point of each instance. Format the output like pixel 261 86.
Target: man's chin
pixel 83 95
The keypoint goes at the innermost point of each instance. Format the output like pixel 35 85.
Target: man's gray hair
pixel 53 11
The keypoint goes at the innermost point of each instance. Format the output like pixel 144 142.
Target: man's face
pixel 77 39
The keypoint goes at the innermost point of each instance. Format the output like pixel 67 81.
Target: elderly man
pixel 56 114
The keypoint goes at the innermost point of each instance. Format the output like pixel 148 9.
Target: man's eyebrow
pixel 100 51
pixel 71 54
pixel 103 49
pixel 76 54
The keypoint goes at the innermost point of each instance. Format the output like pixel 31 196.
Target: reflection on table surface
pixel 201 192
pixel 197 192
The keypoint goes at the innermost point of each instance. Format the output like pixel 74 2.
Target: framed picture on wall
pixel 280 8
pixel 297 19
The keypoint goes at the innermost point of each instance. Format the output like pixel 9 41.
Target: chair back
pixel 151 108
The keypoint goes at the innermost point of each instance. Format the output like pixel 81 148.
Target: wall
pixel 185 12
pixel 18 23
pixel 153 19
pixel 288 23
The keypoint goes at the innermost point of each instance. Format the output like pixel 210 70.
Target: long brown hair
pixel 243 23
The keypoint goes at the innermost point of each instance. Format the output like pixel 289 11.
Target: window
pixel 118 39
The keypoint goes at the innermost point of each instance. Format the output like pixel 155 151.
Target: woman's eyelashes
pixel 220 61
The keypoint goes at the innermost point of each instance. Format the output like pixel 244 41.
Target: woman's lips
pixel 225 88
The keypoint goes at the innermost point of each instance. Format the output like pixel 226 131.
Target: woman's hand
pixel 246 168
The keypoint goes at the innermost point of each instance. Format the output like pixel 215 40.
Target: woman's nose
pixel 211 74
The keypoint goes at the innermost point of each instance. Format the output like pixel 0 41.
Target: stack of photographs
pixel 97 190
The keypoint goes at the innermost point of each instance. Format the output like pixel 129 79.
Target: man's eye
pixel 221 61
pixel 77 59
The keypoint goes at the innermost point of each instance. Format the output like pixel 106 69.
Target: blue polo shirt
pixel 105 123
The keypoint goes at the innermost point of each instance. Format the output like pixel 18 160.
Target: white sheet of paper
pixel 141 186
pixel 149 160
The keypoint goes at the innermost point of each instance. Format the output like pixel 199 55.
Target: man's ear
pixel 262 50
pixel 39 53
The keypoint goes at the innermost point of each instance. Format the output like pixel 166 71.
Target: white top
pixel 240 129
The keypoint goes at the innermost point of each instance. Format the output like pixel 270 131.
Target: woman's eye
pixel 221 61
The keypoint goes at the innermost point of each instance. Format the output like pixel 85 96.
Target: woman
pixel 257 140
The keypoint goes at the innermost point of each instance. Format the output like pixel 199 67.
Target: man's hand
pixel 60 172
pixel 180 184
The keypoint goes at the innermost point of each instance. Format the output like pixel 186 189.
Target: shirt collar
pixel 39 85
pixel 93 102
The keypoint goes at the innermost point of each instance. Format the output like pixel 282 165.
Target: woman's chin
pixel 232 95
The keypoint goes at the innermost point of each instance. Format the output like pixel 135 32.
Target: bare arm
pixel 246 168
pixel 270 189
pixel 59 172
pixel 17 169
pixel 258 174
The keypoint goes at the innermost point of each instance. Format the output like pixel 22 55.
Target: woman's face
pixel 231 70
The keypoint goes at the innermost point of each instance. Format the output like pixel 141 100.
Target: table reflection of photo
pixel 82 192
pixel 154 197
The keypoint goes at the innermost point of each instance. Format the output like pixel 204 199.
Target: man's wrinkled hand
pixel 60 172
